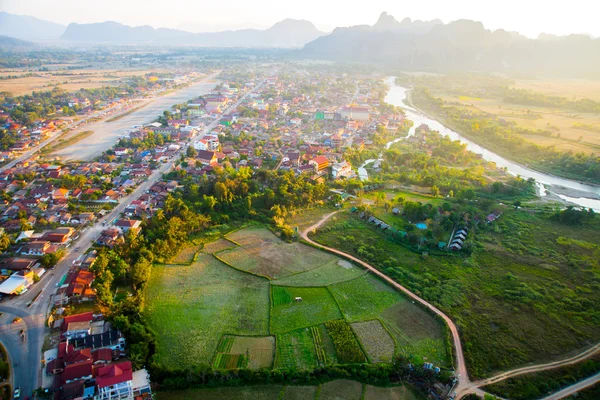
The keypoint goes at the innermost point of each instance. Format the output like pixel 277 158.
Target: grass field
pixel 191 307
pixel 376 341
pixel 341 389
pixel 262 253
pixel 69 80
pixel 562 123
pixel 316 307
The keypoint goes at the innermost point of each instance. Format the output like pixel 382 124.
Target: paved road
pixel 461 369
pixel 28 355
pixel 568 391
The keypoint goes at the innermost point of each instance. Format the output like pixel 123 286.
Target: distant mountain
pixel 287 33
pixel 29 28
pixel 7 42
pixel 459 45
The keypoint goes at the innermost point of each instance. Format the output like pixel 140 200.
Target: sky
pixel 529 17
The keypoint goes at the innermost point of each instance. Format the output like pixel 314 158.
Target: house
pixel 35 248
pixel 207 157
pixel 121 151
pixel 319 163
pixel 114 381
pixel 126 224
pixel 342 169
pixel 78 325
pixel 355 113
pixel 208 143
pixel 15 284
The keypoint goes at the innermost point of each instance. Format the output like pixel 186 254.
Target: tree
pixel 190 152
pixel 517 204
pixel 51 259
pixel 435 191
pixel 140 272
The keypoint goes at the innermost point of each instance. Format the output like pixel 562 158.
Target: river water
pixel 583 195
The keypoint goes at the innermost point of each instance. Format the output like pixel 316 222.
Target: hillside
pixel 29 28
pixel 458 45
pixel 287 33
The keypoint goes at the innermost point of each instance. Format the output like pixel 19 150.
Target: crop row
pixel 346 346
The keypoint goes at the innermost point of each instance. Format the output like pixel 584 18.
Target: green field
pixel 262 253
pixel 191 307
pixel 211 313
pixel 316 307
pixel 252 352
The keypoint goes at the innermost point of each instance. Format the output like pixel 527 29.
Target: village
pixel 47 204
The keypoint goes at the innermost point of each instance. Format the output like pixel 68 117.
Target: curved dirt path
pixel 461 368
pixel 465 386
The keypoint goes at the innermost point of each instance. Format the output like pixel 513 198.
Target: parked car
pixel 16 320
pixel 17 393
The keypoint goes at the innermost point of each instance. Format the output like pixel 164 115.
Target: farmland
pixel 341 389
pixel 325 311
pixel 191 307
pixel 499 295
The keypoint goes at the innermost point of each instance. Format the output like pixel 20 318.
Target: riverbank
pixel 499 151
pixel 570 192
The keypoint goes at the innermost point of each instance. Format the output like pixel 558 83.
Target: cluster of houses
pixel 89 362
pixel 458 239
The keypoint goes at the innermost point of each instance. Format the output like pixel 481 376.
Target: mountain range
pixel 458 45
pixel 288 33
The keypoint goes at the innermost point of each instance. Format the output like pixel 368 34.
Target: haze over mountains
pixel 458 45
pixel 406 44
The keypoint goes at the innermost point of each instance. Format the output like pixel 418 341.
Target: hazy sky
pixel 529 17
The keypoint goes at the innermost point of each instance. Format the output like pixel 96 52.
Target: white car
pixel 17 393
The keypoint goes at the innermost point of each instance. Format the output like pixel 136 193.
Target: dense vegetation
pixel 347 348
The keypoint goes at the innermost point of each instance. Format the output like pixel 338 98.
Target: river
pixel 572 191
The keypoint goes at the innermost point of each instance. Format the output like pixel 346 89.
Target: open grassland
pixel 571 130
pixel 69 80
pixel 263 253
pixel 571 88
pixel 305 218
pixel 376 341
pixel 296 350
pixel 528 293
pixel 287 314
pixel 191 307
pixel 341 389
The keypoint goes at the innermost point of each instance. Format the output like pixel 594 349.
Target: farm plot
pixel 263 253
pixel 296 350
pixel 347 349
pixel 259 349
pixel 376 341
pixel 389 393
pixel 341 390
pixel 217 246
pixel 416 333
pixel 335 271
pixel 287 314
pixel 191 307
pixel 186 255
pixel 299 392
pixel 364 297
